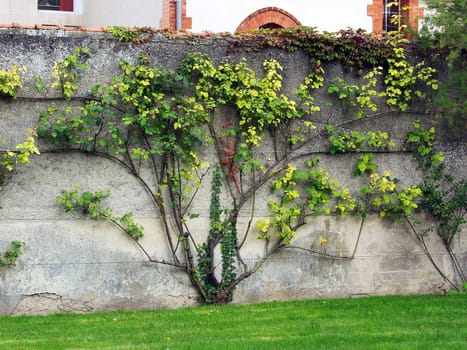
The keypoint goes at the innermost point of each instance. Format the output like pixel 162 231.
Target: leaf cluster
pixel 355 49
pixel 10 256
pixel 10 81
pixel 136 35
pixel 9 160
pixel 382 193
pixel 222 232
pixel 90 203
pixel 443 197
pixel 302 193
pixel 65 72
pixel 355 141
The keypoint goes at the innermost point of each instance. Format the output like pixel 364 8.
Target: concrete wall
pixel 71 263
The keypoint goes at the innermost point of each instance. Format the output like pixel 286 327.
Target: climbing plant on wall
pixel 163 127
pixel 160 119
pixel 10 83
pixel 9 161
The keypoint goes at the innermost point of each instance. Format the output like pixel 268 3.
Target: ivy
pixel 222 231
pixel 420 142
pixel 10 256
pixel 313 81
pixel 258 100
pixel 136 35
pixel 365 165
pixel 90 203
pixel 383 195
pixel 355 141
pixel 401 80
pixel 10 81
pixel 346 93
pixel 443 197
pixel 65 72
pixel 323 195
pixel 261 107
pixel 355 49
pixel 9 160
pixel 158 124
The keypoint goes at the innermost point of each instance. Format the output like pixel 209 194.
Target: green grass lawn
pixel 412 322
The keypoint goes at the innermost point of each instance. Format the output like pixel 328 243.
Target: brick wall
pixel 169 16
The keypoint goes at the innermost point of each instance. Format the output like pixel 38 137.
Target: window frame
pixel 77 8
pixel 388 14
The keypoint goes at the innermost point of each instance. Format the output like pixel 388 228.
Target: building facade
pixel 211 15
pixel 330 15
pixel 87 13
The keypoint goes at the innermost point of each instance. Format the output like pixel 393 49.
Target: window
pixel 55 5
pixel 409 10
pixel 391 15
pixel 270 26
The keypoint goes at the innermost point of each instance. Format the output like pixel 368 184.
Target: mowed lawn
pixel 395 322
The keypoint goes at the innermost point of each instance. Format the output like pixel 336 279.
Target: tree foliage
pixel 446 22
pixel 445 28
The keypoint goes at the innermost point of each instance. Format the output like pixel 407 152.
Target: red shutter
pixel 66 5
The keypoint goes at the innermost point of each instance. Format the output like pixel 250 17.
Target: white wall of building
pixel 90 13
pixel 207 15
pixel 25 12
pixel 135 13
pixel 329 15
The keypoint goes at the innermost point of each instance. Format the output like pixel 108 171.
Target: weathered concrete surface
pixel 75 264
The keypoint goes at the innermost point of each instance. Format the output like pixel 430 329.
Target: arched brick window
pixel 268 17
pixel 381 13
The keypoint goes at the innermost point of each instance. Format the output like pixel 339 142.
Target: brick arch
pixel 268 16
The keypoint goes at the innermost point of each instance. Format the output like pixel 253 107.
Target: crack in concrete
pixel 46 303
